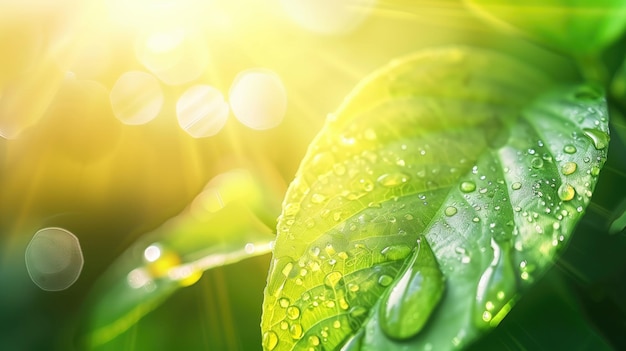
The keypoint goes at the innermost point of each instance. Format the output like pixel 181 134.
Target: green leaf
pixel 221 226
pixel 473 151
pixel 582 27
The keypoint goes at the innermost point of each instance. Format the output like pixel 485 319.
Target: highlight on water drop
pixel 54 259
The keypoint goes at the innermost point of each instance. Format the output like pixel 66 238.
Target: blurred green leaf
pixel 548 317
pixel 474 151
pixel 221 226
pixel 583 27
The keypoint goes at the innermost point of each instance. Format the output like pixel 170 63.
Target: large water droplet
pixel 495 287
pixel 406 306
pixel 599 138
pixel 270 340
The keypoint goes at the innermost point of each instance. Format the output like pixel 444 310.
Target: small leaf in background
pixel 476 153
pixel 221 226
pixel 583 28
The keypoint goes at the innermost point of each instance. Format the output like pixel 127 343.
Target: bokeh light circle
pixel 328 16
pixel 54 259
pixel 202 111
pixel 258 99
pixel 136 98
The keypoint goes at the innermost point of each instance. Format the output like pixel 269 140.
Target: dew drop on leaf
pixel 396 252
pixel 536 162
pixel 407 305
pixel 566 192
pixel 496 286
pixel 270 340
pixel 468 186
pixel 332 279
pixel 393 179
pixel 599 138
pixel 450 211
pixel 516 186
pixel 293 312
pixel 569 149
pixel 385 280
pixel 569 168
pixel 295 331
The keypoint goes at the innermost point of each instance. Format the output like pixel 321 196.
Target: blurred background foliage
pixel 67 161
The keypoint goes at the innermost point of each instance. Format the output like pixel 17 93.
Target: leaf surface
pixel 474 152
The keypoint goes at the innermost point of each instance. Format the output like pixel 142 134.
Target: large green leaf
pixel 462 155
pixel 580 27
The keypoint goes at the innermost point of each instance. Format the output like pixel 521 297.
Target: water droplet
pixel 343 304
pixel 293 312
pixel 396 252
pixel 270 340
pixel 516 186
pixel 595 171
pixel 450 211
pixel 468 186
pixel 296 331
pixel 314 340
pixel 357 311
pixel 536 162
pixel 568 168
pixel 599 138
pixel 353 287
pixel 566 192
pixel 332 279
pixel 318 198
pixel 385 280
pixel 393 179
pixel 569 149
pixel 284 325
pixel 406 306
pixel 330 304
pixel 283 302
pixel 336 324
pixel 330 250
pixel 495 287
